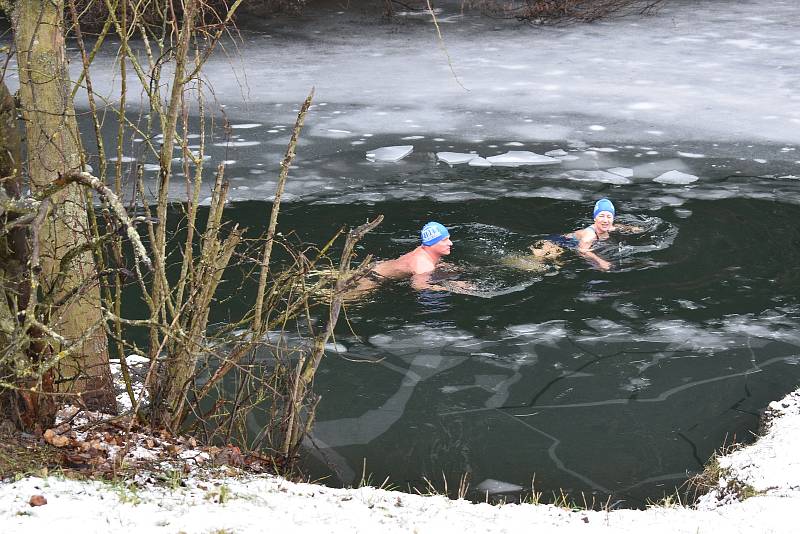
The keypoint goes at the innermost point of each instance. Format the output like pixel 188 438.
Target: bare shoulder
pixel 584 235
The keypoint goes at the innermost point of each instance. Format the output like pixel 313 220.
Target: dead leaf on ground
pixel 37 500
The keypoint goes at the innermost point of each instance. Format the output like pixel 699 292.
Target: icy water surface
pixel 615 383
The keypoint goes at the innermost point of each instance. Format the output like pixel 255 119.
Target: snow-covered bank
pixel 770 468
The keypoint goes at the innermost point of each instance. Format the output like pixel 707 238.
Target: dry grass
pixel 22 455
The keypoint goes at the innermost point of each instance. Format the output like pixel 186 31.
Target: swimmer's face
pixel 442 247
pixel 604 220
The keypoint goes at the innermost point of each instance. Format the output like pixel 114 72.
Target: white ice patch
pixel 390 153
pixel 655 168
pixel 557 153
pixel 238 143
pixel 492 486
pixel 625 172
pixel 479 162
pixel 343 132
pixel 691 155
pixel 675 178
pixel 123 159
pixel 604 149
pixel 454 158
pixel 335 347
pixel 521 157
pixel 245 126
pixel 596 176
pixel 597 128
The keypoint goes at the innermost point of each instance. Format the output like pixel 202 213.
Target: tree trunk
pixel 13 260
pixel 53 149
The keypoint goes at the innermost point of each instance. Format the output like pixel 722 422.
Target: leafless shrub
pixel 205 378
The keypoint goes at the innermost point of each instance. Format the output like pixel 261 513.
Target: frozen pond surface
pixel 704 88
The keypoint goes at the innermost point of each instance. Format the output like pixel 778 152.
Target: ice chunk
pixel 454 158
pixel 246 126
pixel 621 171
pixel 597 176
pixel 690 155
pixel 603 149
pixel 390 153
pixel 479 162
pixel 655 168
pixel 492 486
pixel 675 178
pixel 238 143
pixel 556 153
pixel 521 157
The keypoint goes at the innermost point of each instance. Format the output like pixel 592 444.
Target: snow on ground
pixel 209 501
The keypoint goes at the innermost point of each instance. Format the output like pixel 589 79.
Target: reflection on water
pixel 612 383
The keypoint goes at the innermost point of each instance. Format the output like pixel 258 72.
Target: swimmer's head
pixel 603 205
pixel 546 249
pixel 432 233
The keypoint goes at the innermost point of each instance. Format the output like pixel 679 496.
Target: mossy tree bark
pixel 69 292
pixel 14 253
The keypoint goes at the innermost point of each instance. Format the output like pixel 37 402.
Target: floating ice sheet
pixel 556 153
pixel 492 486
pixel 597 176
pixel 621 171
pixel 454 158
pixel 675 178
pixel 238 143
pixel 521 157
pixel 479 162
pixel 390 153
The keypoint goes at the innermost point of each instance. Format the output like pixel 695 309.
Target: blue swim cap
pixel 432 233
pixel 603 205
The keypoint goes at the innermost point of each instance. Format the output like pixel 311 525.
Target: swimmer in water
pixel 420 263
pixel 583 240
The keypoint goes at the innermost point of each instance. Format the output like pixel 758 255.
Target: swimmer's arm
pixel 583 250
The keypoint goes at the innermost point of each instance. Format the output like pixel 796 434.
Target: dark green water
pixel 615 383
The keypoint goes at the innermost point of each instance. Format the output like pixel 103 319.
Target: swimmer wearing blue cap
pixel 582 240
pixel 419 263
